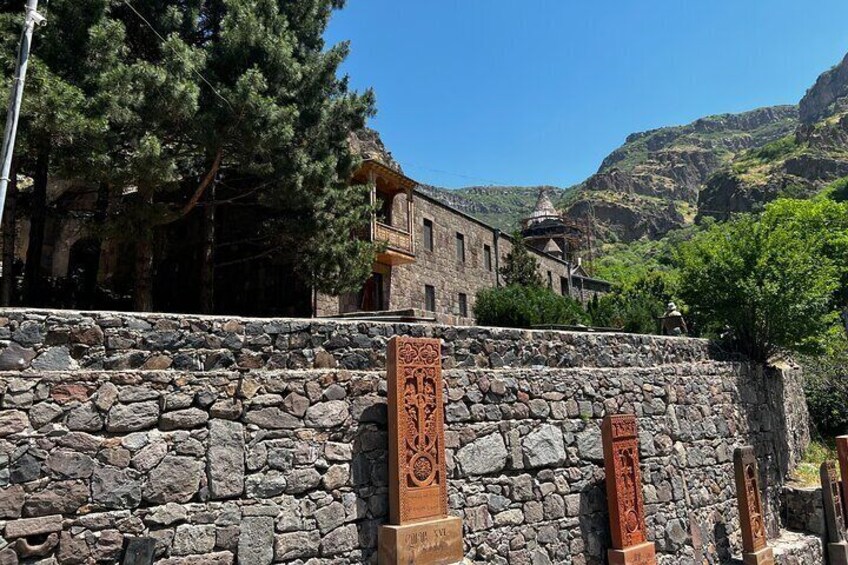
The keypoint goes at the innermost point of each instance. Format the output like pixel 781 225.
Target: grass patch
pixel 819 451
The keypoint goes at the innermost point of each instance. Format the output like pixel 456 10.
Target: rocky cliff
pixel 798 165
pixel 828 96
pixel 651 184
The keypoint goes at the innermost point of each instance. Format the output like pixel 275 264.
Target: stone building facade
pixel 438 258
pixel 251 441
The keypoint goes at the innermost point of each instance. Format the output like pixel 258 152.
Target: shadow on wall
pixel 369 472
pixel 594 522
pixel 778 428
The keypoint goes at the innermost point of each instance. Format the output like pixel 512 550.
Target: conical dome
pixel 544 207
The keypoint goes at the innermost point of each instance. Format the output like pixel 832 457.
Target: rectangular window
pixel 428 235
pixel 563 286
pixel 463 305
pixel 487 258
pixel 429 298
pixel 550 280
pixel 460 247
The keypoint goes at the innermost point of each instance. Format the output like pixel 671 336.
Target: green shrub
pixel 826 387
pixel 634 307
pixel 526 306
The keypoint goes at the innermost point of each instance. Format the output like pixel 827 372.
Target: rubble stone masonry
pixel 257 440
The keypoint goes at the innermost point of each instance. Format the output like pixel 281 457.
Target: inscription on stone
pixel 624 492
pixel 755 548
pixel 418 486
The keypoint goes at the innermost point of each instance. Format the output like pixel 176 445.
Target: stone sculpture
pixel 842 454
pixel 624 493
pixel 755 550
pixel 420 529
pixel 834 515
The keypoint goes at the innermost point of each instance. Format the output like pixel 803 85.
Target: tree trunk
pixel 9 229
pixel 38 220
pixel 207 265
pixel 143 296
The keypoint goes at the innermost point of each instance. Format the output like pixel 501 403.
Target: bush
pixel 518 306
pixel 826 387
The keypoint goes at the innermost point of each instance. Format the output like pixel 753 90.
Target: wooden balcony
pixel 399 247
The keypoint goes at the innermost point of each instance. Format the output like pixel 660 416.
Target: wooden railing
pixel 394 237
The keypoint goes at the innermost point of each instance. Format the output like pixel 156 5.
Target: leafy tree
pixel 520 268
pixel 766 284
pixel 517 306
pixel 634 307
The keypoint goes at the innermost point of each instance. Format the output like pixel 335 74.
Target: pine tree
pixel 246 87
pixel 520 268
pixel 57 125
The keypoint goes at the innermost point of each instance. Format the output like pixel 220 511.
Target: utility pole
pixel 33 18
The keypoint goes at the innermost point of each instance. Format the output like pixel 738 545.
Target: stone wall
pixel 262 440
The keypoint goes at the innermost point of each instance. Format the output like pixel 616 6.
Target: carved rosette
pixel 623 481
pixel 418 486
pixel 751 517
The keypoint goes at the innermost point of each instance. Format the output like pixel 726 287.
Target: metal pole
pixel 33 18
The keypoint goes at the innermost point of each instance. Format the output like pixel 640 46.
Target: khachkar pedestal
pixel 834 516
pixel 420 530
pixel 624 493
pixel 755 550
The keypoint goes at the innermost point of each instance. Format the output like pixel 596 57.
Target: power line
pixel 460 175
pixel 164 41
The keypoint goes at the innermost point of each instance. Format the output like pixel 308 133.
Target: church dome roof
pixel 544 207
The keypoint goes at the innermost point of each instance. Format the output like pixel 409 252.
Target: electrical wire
pixel 164 41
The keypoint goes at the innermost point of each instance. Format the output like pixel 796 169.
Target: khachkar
pixel 755 550
pixel 834 516
pixel 624 493
pixel 420 529
pixel 842 453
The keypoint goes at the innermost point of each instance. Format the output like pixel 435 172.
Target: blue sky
pixel 529 92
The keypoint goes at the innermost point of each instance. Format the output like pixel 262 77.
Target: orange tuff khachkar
pixel 420 530
pixel 624 493
pixel 755 549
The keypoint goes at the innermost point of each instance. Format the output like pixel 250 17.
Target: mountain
pixel 501 206
pixel 798 165
pixel 645 188
pixel 651 184
pixel 666 178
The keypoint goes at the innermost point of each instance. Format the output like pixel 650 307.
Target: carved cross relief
pixel 417 479
pixel 624 480
pixel 751 517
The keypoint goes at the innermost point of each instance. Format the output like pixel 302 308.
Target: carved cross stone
pixel 416 431
pixel 842 454
pixel 420 529
pixel 834 515
pixel 755 550
pixel 624 492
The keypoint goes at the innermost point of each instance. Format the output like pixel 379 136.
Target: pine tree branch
pixel 204 184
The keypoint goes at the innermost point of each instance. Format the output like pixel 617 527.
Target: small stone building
pixel 437 258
